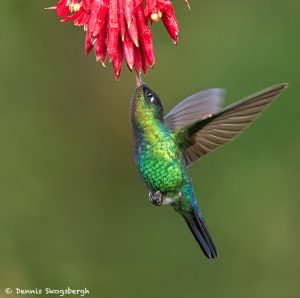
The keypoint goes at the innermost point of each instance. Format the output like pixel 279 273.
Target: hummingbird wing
pixel 194 108
pixel 217 129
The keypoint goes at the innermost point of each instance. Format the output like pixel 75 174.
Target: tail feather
pixel 201 234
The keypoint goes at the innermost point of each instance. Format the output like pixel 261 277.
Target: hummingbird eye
pixel 148 93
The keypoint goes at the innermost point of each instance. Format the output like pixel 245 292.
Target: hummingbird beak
pixel 138 79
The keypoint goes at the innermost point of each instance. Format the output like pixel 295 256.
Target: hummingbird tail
pixel 197 226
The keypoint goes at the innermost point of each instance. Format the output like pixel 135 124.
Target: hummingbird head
pixel 145 105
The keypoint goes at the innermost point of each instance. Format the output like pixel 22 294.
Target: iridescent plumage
pixel 166 146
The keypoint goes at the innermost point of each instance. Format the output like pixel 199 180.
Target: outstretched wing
pixel 206 135
pixel 194 108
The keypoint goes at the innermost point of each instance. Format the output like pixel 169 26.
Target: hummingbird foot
pixel 156 198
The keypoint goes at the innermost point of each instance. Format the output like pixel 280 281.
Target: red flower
pixel 119 28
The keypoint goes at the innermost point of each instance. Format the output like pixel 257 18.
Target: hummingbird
pixel 165 146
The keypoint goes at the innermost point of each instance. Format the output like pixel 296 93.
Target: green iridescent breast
pixel 160 164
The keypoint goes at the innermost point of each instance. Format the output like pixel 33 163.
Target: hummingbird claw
pixel 156 198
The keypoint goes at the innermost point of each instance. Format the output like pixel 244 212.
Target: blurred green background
pixel 73 211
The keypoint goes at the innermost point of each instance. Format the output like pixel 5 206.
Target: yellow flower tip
pixel 103 64
pixel 156 16
pixel 76 7
pixel 50 8
pixel 187 4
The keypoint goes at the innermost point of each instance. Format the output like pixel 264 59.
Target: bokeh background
pixel 73 211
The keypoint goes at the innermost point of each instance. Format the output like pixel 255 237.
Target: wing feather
pixel 194 108
pixel 205 136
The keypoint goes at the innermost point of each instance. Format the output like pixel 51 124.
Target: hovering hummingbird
pixel 165 146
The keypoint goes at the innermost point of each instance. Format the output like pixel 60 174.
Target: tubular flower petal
pixel 121 18
pixel 128 48
pixel 137 60
pixel 120 29
pixel 163 9
pixel 118 59
pixel 145 35
pixel 112 30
